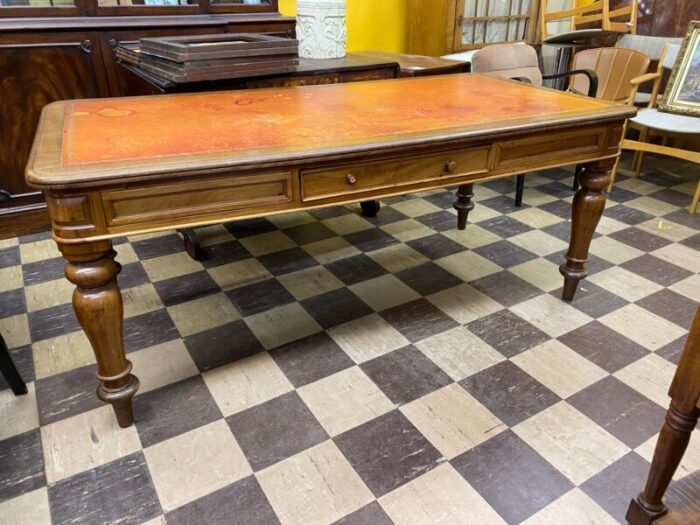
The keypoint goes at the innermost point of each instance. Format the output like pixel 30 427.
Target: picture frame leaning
pixel 682 94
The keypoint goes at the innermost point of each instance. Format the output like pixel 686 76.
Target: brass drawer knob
pixel 350 178
pixel 450 166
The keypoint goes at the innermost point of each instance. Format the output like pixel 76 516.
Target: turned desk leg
pixel 588 206
pixel 681 418
pixel 98 306
pixel 464 204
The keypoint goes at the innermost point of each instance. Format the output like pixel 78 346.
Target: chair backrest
pixel 615 68
pixel 672 54
pixel 508 61
pixel 596 12
pixel 651 46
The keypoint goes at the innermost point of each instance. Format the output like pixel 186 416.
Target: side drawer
pixel 136 205
pixel 320 184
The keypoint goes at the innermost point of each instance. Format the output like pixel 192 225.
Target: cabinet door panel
pixel 31 76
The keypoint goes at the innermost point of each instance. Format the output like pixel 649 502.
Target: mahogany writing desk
pixel 113 167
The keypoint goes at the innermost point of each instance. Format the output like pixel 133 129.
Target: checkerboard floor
pixel 326 368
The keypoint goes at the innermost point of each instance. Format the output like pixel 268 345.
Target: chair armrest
pixel 522 79
pixel 592 78
pixel 641 79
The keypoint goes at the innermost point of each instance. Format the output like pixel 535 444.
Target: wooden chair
pixel 650 121
pixel 681 418
pixel 598 11
pixel 9 371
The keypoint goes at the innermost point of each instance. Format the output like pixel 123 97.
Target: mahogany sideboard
pixel 239 154
pixel 43 60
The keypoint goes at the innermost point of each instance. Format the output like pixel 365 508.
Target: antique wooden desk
pixel 111 167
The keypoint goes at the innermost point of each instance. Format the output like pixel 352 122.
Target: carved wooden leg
pixel 192 245
pixel 464 204
pixel 681 418
pixel 98 306
pixel 588 206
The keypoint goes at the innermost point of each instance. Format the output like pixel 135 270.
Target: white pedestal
pixel 321 28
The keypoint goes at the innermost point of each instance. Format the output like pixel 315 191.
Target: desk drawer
pixel 146 204
pixel 320 184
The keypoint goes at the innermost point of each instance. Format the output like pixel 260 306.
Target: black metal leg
pixel 577 174
pixel 519 189
pixel 370 208
pixel 9 371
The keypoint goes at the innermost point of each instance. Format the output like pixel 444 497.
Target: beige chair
pixel 598 14
pixel 651 121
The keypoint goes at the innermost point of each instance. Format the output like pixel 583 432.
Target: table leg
pixel 192 245
pixel 464 204
pixel 370 208
pixel 587 208
pixel 98 306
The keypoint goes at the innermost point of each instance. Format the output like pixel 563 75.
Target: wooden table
pixel 419 65
pixel 113 167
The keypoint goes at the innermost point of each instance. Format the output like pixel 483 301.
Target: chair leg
pixel 696 198
pixel 638 158
pixel 577 174
pixel 519 189
pixel 613 173
pixel 9 371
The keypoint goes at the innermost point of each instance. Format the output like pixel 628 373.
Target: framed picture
pixel 682 93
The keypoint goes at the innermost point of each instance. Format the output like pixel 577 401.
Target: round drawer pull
pixel 350 178
pixel 450 166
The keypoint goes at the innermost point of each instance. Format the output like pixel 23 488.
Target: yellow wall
pixel 375 25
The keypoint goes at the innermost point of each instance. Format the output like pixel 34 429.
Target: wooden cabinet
pixel 43 60
pixel 440 27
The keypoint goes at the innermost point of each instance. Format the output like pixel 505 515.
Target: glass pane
pixel 496 31
pixel 36 3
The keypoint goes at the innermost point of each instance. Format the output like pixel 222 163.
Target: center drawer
pixel 323 183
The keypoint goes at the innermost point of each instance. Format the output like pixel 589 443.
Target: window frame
pixel 530 19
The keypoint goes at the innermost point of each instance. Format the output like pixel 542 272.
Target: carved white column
pixel 321 28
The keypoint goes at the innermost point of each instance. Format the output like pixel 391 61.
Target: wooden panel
pixel 132 206
pixel 430 27
pixel 319 184
pixel 543 148
pixel 33 75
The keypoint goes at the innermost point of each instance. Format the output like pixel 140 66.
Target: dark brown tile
pixel 310 359
pixel 405 374
pixel 625 413
pixel 647 242
pixel 657 270
pixel 328 213
pixel 52 322
pixel 444 199
pixel 683 217
pixel 132 274
pixel 118 492
pixel 428 278
pixel 671 196
pixel 507 333
pixel 158 246
pixel 248 227
pixel 508 392
pixel 506 288
pixel 10 257
pixel 370 240
pixel 504 226
pixel 673 350
pixel 593 300
pixel 222 345
pixel 308 233
pixel 604 346
pixel 358 268
pixel 242 503
pixel 275 430
pixel 627 215
pixel 336 307
pixel 439 221
pixel 692 242
pixel 505 254
pixel 43 271
pixel 436 246
pixel 173 410
pixel 13 302
pixel 258 297
pixel 186 288
pixel 387 452
pixel 33 237
pixel 149 329
pixel 616 485
pixel 22 461
pixel 24 362
pixel 372 514
pixel 418 319
pixel 556 189
pixel 67 394
pixel 514 479
pixel 560 230
pixel 671 306
pixel 559 208
pixel 287 261
pixel 224 253
pixel 386 215
pixel 503 203
pixel 622 195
